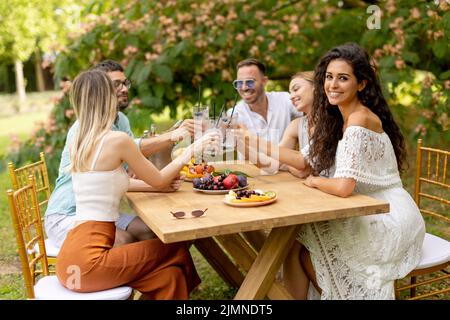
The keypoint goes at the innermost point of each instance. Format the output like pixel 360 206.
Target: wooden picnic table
pixel 296 204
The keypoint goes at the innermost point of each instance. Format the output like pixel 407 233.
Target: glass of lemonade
pixel 200 115
pixel 226 125
pixel 210 126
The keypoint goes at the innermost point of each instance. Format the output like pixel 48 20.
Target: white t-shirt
pixel 279 114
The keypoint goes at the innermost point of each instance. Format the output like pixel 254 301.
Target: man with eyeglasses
pixel 60 212
pixel 266 114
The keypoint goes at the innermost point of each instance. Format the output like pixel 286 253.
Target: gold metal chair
pixel 432 197
pixel 19 179
pixel 25 215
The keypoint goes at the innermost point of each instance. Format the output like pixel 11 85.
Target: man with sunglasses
pixel 266 114
pixel 61 206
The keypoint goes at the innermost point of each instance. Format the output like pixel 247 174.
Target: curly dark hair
pixel 327 119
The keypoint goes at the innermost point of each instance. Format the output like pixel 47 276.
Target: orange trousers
pixel 88 262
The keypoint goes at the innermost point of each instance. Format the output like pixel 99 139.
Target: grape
pixel 242 180
pixel 196 182
pixel 207 177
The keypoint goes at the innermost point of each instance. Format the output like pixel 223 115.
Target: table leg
pixel 220 262
pixel 261 275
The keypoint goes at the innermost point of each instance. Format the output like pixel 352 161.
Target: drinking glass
pixel 200 115
pixel 226 124
pixel 211 126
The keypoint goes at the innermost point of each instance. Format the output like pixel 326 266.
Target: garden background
pixel 171 48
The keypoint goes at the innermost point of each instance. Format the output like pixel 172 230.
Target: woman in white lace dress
pixel 357 258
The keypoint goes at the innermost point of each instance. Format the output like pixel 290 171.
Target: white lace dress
pixel 359 258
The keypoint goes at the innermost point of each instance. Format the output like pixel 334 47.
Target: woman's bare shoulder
pixel 365 118
pixel 118 138
pixel 293 125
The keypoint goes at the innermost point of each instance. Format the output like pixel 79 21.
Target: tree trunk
pixel 40 83
pixel 20 82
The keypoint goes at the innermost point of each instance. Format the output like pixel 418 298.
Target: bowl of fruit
pixel 196 170
pixel 220 182
pixel 250 198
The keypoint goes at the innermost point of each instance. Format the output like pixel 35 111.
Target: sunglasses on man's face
pixel 193 214
pixel 239 84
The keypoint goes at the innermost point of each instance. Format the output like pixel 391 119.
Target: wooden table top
pixel 296 204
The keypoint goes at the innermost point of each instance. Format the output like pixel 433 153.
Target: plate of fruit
pixel 220 183
pixel 250 198
pixel 196 170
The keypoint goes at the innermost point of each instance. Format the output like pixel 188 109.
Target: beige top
pixel 98 193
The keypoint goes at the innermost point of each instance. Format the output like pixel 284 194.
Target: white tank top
pixel 303 135
pixel 98 193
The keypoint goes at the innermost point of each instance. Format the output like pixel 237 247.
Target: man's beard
pixel 122 105
pixel 257 96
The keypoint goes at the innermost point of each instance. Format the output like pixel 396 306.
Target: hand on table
pixel 175 185
pixel 309 182
pixel 298 173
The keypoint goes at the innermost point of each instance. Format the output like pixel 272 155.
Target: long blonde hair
pixel 94 101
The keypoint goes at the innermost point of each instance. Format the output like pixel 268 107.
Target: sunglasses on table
pixel 193 214
pixel 118 84
pixel 239 84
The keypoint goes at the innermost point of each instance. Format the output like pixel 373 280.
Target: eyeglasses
pixel 118 84
pixel 193 214
pixel 249 83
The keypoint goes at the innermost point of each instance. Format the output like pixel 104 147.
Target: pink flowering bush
pixel 170 48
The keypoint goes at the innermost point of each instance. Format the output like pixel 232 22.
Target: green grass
pixel 12 287
pixel 35 102
pixel 11 282
pixel 212 286
pixel 36 108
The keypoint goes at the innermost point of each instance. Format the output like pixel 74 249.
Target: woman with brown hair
pixel 354 131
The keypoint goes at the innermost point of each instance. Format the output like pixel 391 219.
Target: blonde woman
pixel 157 270
pixel 301 89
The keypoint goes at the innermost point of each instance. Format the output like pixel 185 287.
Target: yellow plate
pixel 250 204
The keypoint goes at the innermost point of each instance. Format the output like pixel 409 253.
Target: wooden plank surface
pixel 296 204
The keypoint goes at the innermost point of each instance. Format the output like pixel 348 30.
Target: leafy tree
pixel 30 26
